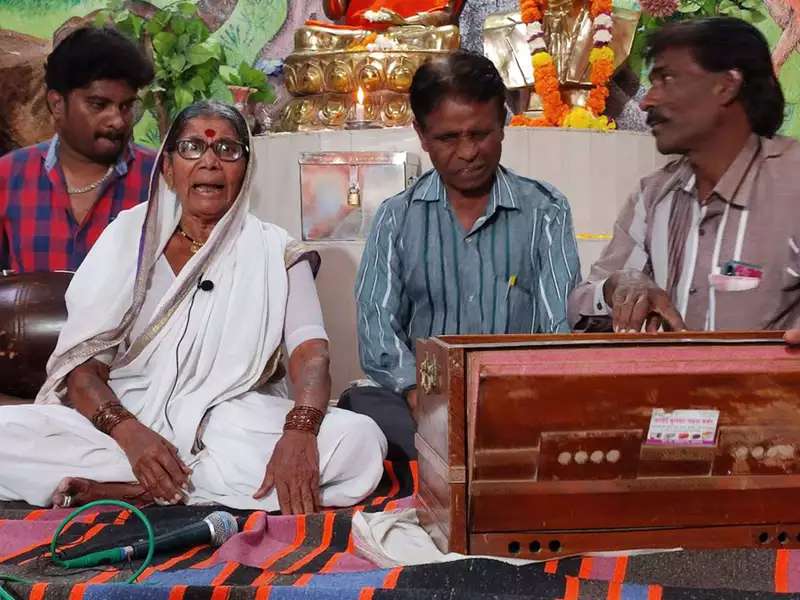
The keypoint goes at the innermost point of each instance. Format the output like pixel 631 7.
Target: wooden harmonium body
pixel 544 446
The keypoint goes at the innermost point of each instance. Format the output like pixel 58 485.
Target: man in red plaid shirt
pixel 57 197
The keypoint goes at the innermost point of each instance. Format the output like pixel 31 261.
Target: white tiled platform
pixel 596 171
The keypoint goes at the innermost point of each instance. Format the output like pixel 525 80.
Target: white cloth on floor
pixel 395 538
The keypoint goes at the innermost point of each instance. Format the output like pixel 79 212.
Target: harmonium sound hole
pixel 514 547
pixel 535 547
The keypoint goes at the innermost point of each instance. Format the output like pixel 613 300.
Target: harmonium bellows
pixel 544 446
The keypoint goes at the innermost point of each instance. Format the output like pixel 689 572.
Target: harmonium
pixel 551 445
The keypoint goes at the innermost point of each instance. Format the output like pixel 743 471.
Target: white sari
pixel 214 407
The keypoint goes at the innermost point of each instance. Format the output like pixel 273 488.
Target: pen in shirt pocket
pixel 512 281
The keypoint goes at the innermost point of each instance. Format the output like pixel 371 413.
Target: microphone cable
pixel 151 536
pixel 197 288
pixel 151 544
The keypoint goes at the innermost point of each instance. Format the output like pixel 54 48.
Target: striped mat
pixel 311 557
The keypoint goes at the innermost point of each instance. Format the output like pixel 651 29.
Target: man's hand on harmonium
pixel 636 302
pixel 792 337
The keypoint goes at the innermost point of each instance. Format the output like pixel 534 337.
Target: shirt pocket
pixel 515 307
pixel 759 307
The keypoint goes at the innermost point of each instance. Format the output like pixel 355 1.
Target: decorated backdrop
pixel 257 32
pixel 260 32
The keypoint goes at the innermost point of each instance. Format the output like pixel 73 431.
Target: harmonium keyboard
pixel 549 445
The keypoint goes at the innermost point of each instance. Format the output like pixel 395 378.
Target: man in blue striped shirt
pixel 469 248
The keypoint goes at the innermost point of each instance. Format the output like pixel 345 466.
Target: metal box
pixel 341 191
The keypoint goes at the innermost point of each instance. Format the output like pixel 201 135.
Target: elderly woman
pixel 167 380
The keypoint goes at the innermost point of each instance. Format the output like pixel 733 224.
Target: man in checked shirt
pixel 57 197
pixel 711 241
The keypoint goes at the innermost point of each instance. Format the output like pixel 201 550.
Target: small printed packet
pixel 736 276
pixel 735 268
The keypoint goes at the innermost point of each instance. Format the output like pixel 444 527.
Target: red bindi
pixel 210 133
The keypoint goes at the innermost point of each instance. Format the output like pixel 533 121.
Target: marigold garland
pixel 600 7
pixel 601 60
pixel 545 79
pixel 582 118
pixel 529 10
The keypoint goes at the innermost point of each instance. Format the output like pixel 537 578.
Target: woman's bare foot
pixel 77 491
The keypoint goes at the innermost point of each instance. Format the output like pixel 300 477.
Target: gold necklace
pixel 194 244
pixel 91 186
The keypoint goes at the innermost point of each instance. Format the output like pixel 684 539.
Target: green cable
pixel 4 595
pixel 151 545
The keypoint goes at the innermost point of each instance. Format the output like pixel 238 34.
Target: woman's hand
pixel 154 461
pixel 293 470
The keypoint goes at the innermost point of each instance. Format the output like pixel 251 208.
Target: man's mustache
pixel 654 117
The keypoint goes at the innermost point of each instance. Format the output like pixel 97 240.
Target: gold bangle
pixel 109 415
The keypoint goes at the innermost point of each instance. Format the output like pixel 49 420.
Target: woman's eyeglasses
pixel 226 150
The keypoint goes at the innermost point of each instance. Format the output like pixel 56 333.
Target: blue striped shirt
pixel 422 275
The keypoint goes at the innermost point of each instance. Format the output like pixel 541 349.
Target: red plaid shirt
pixel 39 231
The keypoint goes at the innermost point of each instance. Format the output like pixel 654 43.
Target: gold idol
pixel 568 35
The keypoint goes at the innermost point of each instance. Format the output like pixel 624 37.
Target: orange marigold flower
pixel 529 10
pixel 601 72
pixel 596 102
pixel 599 7
pixel 548 89
pixel 525 121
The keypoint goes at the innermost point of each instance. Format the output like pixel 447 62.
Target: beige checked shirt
pixel 752 216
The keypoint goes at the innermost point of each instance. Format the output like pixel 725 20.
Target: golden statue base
pixel 341 111
pixel 328 66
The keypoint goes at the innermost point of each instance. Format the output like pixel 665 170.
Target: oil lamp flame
pixel 360 114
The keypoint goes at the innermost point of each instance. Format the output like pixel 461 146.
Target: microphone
pixel 206 285
pixel 216 529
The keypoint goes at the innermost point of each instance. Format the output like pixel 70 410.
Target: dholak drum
pixel 32 312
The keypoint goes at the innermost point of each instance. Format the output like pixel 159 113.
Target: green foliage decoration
pixel 190 65
pixel 246 76
pixel 749 10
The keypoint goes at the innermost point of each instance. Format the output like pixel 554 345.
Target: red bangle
pixel 304 418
